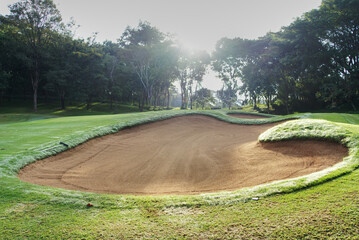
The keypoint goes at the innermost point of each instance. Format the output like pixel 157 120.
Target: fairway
pixel 183 155
pixel 246 116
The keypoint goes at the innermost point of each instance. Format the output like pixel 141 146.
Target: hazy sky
pixel 197 24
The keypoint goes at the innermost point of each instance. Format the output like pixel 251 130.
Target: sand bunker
pixel 246 116
pixel 183 155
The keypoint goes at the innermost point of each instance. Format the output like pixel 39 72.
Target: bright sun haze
pixel 195 24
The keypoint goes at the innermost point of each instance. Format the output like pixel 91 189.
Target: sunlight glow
pixel 196 24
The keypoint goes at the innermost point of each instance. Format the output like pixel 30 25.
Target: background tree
pixel 183 75
pixel 141 45
pixel 90 70
pixel 203 97
pixel 308 65
pixel 228 60
pixel 61 66
pixel 14 61
pixel 190 70
pixel 197 69
pixel 339 29
pixel 35 19
pixel 166 58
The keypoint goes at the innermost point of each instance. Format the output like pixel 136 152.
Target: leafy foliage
pixel 203 97
pixel 309 65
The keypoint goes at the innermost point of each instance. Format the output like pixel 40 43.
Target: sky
pixel 196 24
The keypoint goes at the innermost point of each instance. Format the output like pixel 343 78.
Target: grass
pixel 335 117
pixel 300 208
pixel 22 111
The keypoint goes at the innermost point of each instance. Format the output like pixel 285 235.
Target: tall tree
pixel 90 70
pixel 14 61
pixel 197 69
pixel 228 60
pixel 35 20
pixel 190 70
pixel 183 75
pixel 340 21
pixel 61 66
pixel 164 69
pixel 140 43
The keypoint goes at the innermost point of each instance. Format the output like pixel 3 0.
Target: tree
pixel 140 44
pixel 90 71
pixel 197 69
pixel 14 61
pixel 183 73
pixel 260 71
pixel 227 96
pixel 252 82
pixel 228 60
pixel 339 21
pixel 4 71
pixel 190 70
pixel 35 20
pixel 61 66
pixel 4 78
pixel 203 97
pixel 165 62
pixel 115 67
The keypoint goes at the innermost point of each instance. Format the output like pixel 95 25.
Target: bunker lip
pixel 246 116
pixel 181 156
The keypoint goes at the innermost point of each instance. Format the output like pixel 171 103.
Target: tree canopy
pixel 308 65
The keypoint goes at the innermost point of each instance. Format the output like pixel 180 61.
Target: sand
pixel 182 155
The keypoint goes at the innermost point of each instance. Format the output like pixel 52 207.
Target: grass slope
pixel 328 210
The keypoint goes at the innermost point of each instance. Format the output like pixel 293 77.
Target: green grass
pixel 300 208
pixel 53 109
pixel 15 117
pixel 335 117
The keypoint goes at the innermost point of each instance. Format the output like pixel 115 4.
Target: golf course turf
pixel 319 205
pixel 246 116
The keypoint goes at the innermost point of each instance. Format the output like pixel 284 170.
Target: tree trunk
pixel 34 87
pixel 254 102
pixel 35 99
pixel 183 104
pixel 88 101
pixel 111 103
pixel 35 84
pixel 190 96
pixel 163 102
pixel 63 101
pixel 268 103
pixel 183 94
pixel 35 79
pixel 143 98
pixel 155 100
pixel 168 98
pixel 191 99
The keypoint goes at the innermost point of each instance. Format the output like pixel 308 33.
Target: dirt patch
pixel 183 155
pixel 246 116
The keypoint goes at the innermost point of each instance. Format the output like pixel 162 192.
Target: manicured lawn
pixel 326 210
pixel 336 117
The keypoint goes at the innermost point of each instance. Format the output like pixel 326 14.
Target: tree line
pixel 309 65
